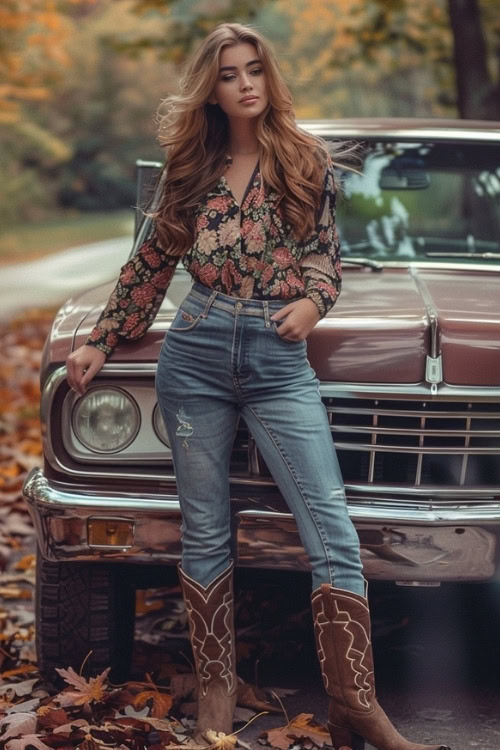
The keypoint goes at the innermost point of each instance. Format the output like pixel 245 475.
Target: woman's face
pixel 240 75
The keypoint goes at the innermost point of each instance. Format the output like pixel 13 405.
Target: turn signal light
pixel 110 532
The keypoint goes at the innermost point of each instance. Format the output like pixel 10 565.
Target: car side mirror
pixel 147 175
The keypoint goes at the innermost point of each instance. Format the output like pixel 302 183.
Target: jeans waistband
pixel 235 305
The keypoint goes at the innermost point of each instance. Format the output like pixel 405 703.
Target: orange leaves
pixel 8 470
pixel 220 741
pixel 17 671
pixel 301 727
pixel 21 342
pixel 160 703
pixel 367 53
pixel 87 691
pixel 28 562
pixel 8 592
pixel 33 41
pixel 90 713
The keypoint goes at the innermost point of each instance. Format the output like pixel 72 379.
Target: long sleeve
pixel 320 264
pixel 136 298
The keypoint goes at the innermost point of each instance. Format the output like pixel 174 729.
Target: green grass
pixel 26 241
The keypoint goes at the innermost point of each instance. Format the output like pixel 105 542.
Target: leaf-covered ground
pixel 155 709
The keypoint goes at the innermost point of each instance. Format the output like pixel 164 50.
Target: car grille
pixel 409 443
pixel 417 443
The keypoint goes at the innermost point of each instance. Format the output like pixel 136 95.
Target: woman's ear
pixel 212 99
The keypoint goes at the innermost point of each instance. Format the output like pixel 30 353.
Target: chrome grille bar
pixel 412 412
pixel 416 431
pixel 414 442
pixel 458 450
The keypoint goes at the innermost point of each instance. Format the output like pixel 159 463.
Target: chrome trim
pixel 460 493
pixel 410 413
pixel 415 516
pixel 415 430
pixel 388 131
pixel 403 544
pixel 38 491
pixel 434 266
pixel 401 391
pixel 445 451
pixel 433 364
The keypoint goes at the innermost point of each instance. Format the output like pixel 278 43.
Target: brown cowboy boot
pixel 210 613
pixel 343 641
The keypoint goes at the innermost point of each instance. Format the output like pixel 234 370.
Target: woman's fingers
pixel 82 365
pixel 93 368
pixel 75 376
pixel 283 312
pixel 300 320
pixel 72 374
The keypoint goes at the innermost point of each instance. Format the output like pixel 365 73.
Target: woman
pixel 248 202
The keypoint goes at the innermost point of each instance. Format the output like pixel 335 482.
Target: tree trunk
pixel 478 96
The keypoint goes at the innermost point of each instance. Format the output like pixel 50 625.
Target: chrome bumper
pixel 404 544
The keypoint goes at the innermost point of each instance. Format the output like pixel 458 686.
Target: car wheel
pixel 82 608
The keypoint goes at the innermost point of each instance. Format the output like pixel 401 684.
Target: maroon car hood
pixel 468 306
pixel 378 331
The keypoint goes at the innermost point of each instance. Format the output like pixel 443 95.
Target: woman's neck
pixel 242 139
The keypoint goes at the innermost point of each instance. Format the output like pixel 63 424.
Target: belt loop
pixel 265 305
pixel 209 304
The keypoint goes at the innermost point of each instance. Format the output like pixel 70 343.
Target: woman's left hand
pixel 300 318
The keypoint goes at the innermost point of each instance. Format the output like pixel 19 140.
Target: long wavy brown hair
pixel 195 136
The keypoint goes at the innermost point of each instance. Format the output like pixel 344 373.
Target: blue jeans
pixel 223 357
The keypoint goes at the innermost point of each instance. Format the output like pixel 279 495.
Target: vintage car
pixel 409 364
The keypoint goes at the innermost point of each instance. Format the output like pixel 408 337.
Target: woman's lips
pixel 247 101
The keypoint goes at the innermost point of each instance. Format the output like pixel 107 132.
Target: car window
pixel 422 201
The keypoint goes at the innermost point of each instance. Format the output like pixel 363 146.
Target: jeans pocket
pixel 281 338
pixel 187 318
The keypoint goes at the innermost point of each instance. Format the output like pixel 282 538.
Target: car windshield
pixel 422 201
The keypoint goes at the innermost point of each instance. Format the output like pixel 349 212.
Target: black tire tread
pixel 82 608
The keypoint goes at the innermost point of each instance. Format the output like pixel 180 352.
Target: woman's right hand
pixel 82 365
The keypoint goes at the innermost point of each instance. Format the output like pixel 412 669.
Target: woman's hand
pixel 82 365
pixel 300 318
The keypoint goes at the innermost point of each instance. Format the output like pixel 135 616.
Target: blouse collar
pixel 222 186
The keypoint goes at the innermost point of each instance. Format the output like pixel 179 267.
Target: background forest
pixel 81 80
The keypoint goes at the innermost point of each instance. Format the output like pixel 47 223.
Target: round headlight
pixel 159 426
pixel 106 420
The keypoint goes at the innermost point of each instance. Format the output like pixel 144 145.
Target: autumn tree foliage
pixel 395 57
pixel 80 80
pixel 360 57
pixel 71 143
pixel 34 50
pixel 35 57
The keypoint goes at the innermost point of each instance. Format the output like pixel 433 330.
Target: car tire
pixel 82 608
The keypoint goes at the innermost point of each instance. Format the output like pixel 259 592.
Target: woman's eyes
pixel 230 76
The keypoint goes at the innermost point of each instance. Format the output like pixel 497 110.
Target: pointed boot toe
pixel 343 639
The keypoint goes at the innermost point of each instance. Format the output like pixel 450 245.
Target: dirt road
pixel 52 279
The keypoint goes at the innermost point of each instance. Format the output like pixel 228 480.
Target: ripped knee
pixel 185 428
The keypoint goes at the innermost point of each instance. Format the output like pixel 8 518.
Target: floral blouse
pixel 244 251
